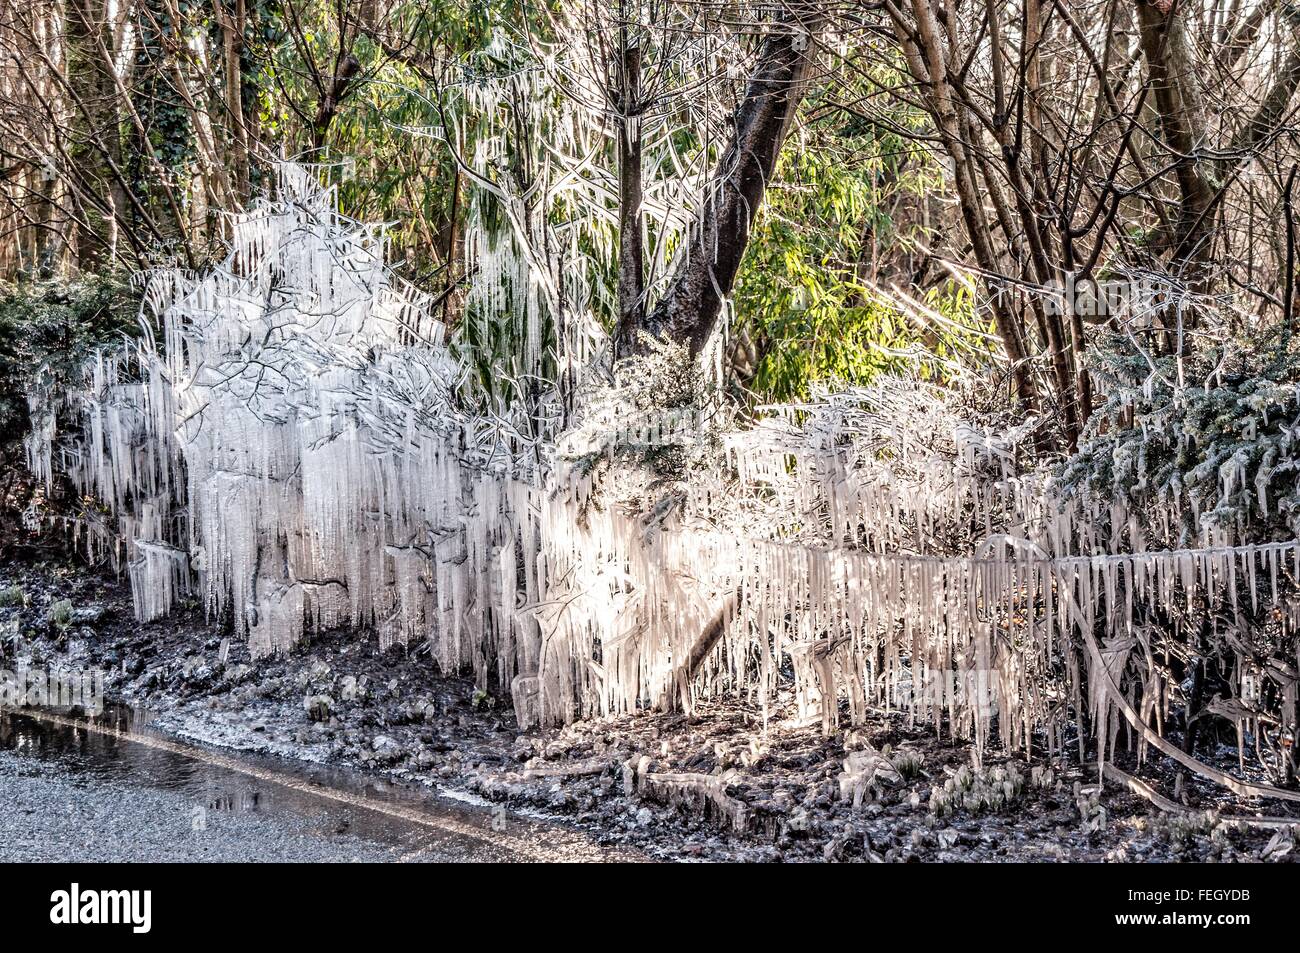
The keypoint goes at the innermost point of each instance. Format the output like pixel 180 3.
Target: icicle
pixel 333 475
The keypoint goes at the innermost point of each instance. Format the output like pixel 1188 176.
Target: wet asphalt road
pixel 71 791
pixel 50 815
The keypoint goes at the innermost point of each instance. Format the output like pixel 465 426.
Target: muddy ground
pixel 712 786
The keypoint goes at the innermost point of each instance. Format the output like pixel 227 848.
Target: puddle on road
pixel 119 746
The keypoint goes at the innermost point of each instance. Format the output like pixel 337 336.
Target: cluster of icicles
pixel 296 452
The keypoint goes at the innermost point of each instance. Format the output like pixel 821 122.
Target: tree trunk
pixel 94 136
pixel 631 253
pixel 233 26
pixel 717 240
pixel 1172 75
pixel 329 105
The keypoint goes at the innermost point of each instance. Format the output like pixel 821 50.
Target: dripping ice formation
pixel 299 447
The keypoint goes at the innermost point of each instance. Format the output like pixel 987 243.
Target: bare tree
pixel 1079 148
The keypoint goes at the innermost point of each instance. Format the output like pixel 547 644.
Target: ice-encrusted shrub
pixel 907 763
pixel 1092 816
pixel 1183 829
pixel 59 614
pixel 1220 450
pixel 1204 451
pixel 977 790
pixel 660 410
pixel 47 330
pixel 658 423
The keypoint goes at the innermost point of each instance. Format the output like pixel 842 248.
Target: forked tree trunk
pixel 331 101
pixel 705 273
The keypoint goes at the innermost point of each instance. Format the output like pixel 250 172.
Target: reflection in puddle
pixel 243 801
